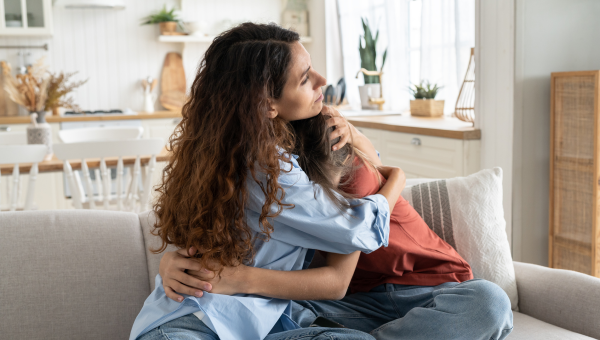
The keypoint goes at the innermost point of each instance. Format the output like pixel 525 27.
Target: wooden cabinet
pixel 422 156
pixel 26 17
pixel 574 235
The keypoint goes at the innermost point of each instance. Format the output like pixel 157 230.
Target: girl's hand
pixel 230 282
pixel 175 280
pixel 343 128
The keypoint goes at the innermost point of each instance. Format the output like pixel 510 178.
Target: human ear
pixel 271 109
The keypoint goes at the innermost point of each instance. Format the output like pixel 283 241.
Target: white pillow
pixel 467 213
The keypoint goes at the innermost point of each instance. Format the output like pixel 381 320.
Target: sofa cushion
pixel 467 213
pixel 528 328
pixel 147 220
pixel 70 274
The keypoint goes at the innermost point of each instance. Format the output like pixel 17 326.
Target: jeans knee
pixel 491 305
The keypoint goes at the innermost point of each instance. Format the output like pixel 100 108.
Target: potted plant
pixel 367 61
pixel 58 88
pixel 166 20
pixel 424 104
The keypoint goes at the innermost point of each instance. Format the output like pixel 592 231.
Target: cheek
pixel 300 105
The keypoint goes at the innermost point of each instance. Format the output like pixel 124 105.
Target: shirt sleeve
pixel 315 221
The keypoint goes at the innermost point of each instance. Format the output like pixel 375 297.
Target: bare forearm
pixel 325 283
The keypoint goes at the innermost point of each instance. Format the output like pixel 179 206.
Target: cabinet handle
pixel 415 141
pixel 5 128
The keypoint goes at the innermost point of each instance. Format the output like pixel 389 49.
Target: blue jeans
pixel 475 309
pixel 189 327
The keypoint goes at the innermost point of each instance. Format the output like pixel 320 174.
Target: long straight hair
pixel 321 164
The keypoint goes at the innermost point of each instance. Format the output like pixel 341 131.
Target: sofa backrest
pixel 147 221
pixel 71 274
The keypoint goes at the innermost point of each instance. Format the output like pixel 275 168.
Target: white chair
pixel 13 138
pixel 16 154
pixel 100 134
pixel 131 199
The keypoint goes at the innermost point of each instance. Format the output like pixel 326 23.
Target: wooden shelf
pixel 203 39
pixel 59 119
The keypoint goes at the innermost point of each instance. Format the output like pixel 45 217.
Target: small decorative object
pixel 29 90
pixel 372 100
pixel 149 98
pixel 58 88
pixel 465 103
pixel 196 28
pixel 166 20
pixel 425 104
pixel 295 16
pixel 39 132
pixel 368 55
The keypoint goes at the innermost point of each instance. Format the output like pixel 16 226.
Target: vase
pixel 39 131
pixel 372 90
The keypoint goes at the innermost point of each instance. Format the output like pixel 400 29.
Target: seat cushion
pixel 528 328
pixel 71 274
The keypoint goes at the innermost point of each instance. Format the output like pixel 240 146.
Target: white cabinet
pixel 422 156
pixel 26 17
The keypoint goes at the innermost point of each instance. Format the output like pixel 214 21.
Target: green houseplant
pixel 167 20
pixel 368 55
pixel 424 104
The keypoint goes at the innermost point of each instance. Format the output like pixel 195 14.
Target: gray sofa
pixel 77 274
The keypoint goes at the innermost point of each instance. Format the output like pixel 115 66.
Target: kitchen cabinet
pixel 422 156
pixel 26 18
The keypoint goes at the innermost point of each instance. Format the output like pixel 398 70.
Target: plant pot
pixel 167 27
pixel 368 90
pixel 427 108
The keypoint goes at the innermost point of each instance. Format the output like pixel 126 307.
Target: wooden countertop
pixel 59 119
pixel 438 127
pixel 57 165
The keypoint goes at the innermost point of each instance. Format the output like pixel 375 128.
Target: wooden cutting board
pixel 172 83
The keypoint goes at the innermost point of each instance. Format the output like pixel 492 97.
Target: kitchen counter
pixel 446 127
pixel 92 117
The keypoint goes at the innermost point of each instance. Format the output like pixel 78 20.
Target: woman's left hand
pixel 343 128
pixel 231 281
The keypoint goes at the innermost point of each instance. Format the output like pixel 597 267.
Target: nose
pixel 320 81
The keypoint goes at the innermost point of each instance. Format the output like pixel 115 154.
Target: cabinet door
pixel 26 17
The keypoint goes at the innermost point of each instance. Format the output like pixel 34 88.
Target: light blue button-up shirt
pixel 314 223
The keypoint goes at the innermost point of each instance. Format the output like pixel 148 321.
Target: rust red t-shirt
pixel 415 254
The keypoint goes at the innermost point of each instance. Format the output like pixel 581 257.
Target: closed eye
pixel 304 81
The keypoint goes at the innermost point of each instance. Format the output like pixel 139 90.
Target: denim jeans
pixel 189 327
pixel 475 309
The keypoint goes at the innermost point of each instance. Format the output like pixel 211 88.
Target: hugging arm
pixel 329 282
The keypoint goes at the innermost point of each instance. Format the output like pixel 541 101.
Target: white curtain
pixel 426 40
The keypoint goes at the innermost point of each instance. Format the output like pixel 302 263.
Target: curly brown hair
pixel 225 137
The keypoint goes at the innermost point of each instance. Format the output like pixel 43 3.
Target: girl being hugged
pixel 234 193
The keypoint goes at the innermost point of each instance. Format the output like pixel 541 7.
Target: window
pixel 426 40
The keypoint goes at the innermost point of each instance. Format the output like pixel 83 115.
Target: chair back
pixel 17 154
pixel 13 138
pixel 131 196
pixel 100 134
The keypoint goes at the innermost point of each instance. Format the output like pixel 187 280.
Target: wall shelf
pixel 204 39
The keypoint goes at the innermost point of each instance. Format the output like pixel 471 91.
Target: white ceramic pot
pixel 368 90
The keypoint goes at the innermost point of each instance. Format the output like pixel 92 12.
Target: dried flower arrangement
pixel 58 88
pixel 29 90
pixel 39 90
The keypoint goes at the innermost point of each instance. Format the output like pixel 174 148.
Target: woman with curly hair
pixel 234 193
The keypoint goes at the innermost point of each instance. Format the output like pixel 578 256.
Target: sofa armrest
pixel 564 298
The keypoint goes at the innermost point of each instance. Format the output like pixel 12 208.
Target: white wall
pixel 551 36
pixel 494 66
pixel 113 51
